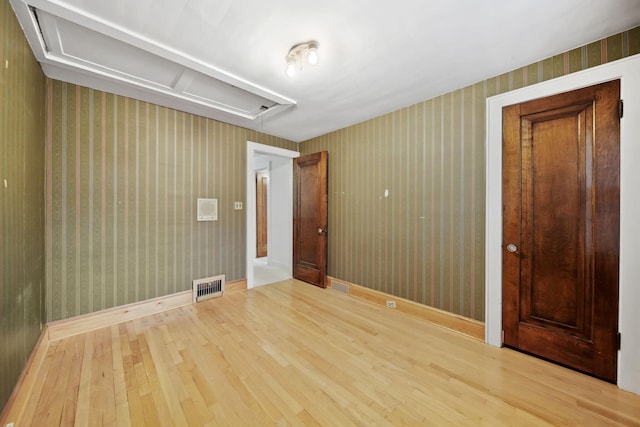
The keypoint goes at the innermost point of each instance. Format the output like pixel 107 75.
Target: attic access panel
pixel 115 55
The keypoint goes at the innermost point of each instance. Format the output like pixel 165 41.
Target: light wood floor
pixel 294 354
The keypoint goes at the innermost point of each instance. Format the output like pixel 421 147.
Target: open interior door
pixel 310 218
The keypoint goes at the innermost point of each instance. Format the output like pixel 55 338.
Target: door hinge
pixel 619 340
pixel 620 109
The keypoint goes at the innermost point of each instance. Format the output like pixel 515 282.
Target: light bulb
pixel 313 56
pixel 291 69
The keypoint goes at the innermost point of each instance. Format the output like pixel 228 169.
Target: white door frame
pixel 250 205
pixel 628 70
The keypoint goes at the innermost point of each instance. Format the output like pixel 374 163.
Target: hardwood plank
pixel 86 385
pixel 150 414
pixel 72 388
pixel 236 286
pixel 295 354
pixel 119 382
pixel 103 407
pixel 52 399
pixel 136 409
pixel 156 388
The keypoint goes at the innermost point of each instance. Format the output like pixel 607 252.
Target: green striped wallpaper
pixel 122 179
pixel 22 127
pixel 425 241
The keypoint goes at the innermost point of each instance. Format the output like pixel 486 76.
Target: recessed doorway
pixel 276 165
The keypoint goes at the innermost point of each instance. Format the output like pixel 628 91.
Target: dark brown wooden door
pixel 310 218
pixel 561 194
pixel 261 214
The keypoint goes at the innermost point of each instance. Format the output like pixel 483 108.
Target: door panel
pixel 310 218
pixel 561 211
pixel 261 214
pixel 557 264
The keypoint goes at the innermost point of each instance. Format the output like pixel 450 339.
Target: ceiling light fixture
pixel 301 53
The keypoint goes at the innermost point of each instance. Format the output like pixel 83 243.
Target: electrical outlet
pixel 391 304
pixel 237 206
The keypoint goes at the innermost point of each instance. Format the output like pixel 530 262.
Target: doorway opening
pixel 276 164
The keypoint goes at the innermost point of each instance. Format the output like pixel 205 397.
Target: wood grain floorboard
pixel 292 354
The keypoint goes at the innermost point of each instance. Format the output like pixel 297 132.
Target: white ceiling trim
pixel 178 78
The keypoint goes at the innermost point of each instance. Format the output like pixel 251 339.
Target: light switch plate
pixel 237 206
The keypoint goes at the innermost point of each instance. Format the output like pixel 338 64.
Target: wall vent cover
pixel 340 287
pixel 207 210
pixel 207 288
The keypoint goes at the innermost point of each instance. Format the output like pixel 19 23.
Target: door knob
pixel 322 230
pixel 511 247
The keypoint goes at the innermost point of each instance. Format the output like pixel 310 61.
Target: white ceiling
pixel 375 56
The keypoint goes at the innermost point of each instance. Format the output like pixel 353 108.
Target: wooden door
pixel 561 195
pixel 262 180
pixel 310 218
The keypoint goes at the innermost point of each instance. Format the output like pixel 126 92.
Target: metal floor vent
pixel 340 287
pixel 207 288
